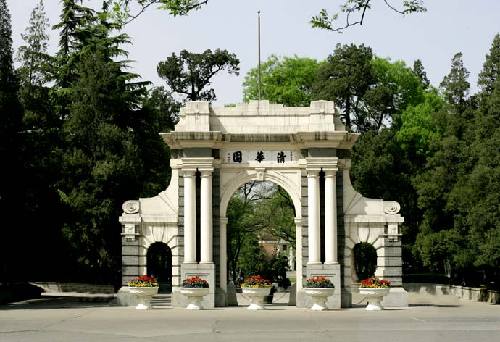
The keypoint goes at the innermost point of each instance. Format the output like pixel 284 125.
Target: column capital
pixel 188 172
pixel 313 173
pixel 329 173
pixel 206 172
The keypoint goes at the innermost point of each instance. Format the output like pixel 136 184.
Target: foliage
pixel 370 91
pixel 195 282
pixel 257 210
pixel 418 69
pixel 121 11
pixel 256 281
pixel 33 56
pixel 353 13
pixel 143 281
pixel 365 260
pixel 190 73
pixel 419 129
pixel 321 282
pixel 345 77
pixel 455 85
pixel 374 282
pixel 489 75
pixel 11 114
pixel 285 80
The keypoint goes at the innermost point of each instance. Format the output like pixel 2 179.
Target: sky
pixel 449 26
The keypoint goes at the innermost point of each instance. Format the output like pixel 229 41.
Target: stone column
pixel 298 253
pixel 330 218
pixel 189 216
pixel 206 234
pixel 313 217
pixel 223 253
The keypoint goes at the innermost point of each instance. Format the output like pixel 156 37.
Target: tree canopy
pixel 190 73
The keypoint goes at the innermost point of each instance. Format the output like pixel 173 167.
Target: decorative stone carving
pixel 131 207
pixel 391 208
pixel 261 173
pixel 129 232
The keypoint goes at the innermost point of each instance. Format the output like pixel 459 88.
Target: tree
pixel 418 69
pixel 288 81
pixel 357 9
pixel 455 85
pixel 345 77
pixel 33 56
pixel 396 87
pixel 74 20
pixel 101 165
pixel 10 140
pixel 122 12
pixel 491 67
pixel 41 149
pixel 274 215
pixel 370 91
pixel 190 73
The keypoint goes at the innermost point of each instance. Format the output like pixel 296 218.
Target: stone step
pixel 162 300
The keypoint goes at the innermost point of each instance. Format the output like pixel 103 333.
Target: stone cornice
pixel 300 140
pixel 180 140
pixel 194 163
pixel 321 163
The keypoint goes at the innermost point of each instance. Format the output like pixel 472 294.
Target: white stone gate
pixel 306 151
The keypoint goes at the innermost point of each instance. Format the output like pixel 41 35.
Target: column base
pixel 205 271
pixel 331 271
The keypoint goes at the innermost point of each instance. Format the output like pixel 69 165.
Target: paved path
pixel 60 320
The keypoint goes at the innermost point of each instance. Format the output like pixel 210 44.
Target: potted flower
pixel 194 288
pixel 257 288
pixel 319 288
pixel 374 289
pixel 144 288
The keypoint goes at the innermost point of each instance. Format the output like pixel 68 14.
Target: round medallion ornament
pixel 391 208
pixel 131 207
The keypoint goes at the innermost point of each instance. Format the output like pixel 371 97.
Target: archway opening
pixel 261 233
pixel 159 265
pixel 365 260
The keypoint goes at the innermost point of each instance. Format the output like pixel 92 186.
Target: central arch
pixel 287 178
pixel 276 177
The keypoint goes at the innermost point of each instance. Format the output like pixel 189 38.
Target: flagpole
pixel 258 68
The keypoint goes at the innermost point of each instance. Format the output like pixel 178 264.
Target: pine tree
pixel 345 77
pixel 10 131
pixel 41 150
pixel 455 85
pixel 33 56
pixel 74 20
pixel 491 67
pixel 101 163
pixel 418 69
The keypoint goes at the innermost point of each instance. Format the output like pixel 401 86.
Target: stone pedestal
pixel 397 297
pixel 331 271
pixel 220 299
pixel 204 271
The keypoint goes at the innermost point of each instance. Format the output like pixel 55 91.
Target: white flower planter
pixel 143 295
pixel 194 296
pixel 374 296
pixel 256 296
pixel 319 297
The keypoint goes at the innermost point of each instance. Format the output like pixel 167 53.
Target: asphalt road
pixel 62 320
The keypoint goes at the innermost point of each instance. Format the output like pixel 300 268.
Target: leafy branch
pixel 354 12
